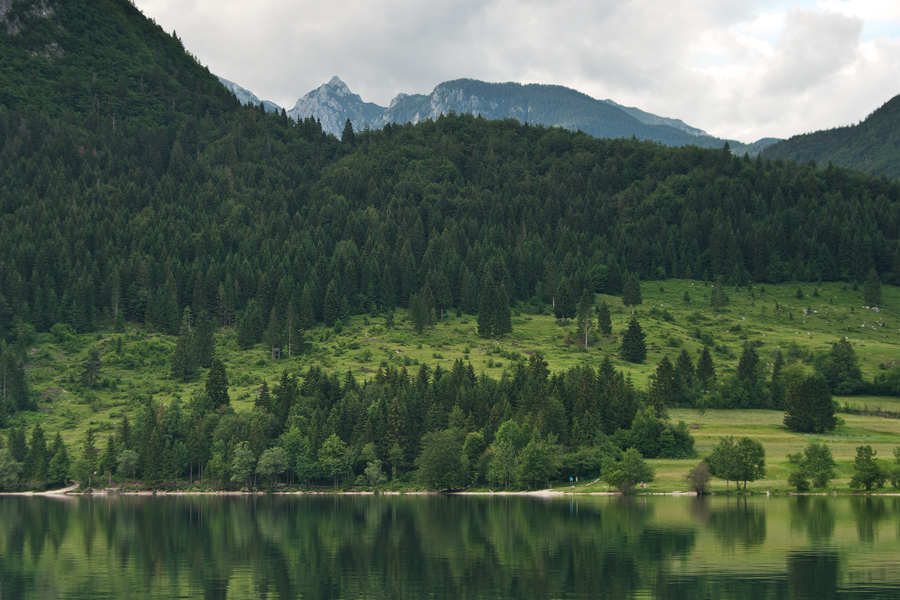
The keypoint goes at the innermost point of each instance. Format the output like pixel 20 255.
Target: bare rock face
pixel 332 104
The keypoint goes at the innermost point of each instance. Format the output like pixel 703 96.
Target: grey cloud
pixel 813 47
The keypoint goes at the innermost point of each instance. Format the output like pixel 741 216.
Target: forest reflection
pixel 440 546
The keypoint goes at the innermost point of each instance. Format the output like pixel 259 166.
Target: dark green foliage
pixel 185 359
pixel 698 478
pixel 717 298
pixel 840 368
pixel 90 368
pixel 808 406
pixel 585 315
pixel 664 387
pixel 217 384
pixel 564 301
pixel 604 321
pixel 749 369
pixel 816 465
pixel 628 472
pixel 494 317
pixel 706 369
pixel 631 293
pixel 440 464
pixel 872 289
pixel 634 347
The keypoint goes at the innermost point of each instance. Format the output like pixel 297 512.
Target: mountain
pixel 651 119
pixel 550 105
pixel 246 96
pixel 872 146
pixel 333 103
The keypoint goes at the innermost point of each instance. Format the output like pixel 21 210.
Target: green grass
pixel 140 369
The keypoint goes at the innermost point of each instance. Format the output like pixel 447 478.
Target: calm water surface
pixel 449 547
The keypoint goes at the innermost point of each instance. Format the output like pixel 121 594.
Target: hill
pixel 872 146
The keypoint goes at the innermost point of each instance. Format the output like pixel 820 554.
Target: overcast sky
pixel 740 69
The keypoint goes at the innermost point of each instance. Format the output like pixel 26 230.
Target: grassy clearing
pixel 672 315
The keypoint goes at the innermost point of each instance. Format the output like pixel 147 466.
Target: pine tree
pixel 292 331
pixel 634 347
pixel 90 368
pixel 872 289
pixel 307 310
pixel 604 322
pixel 184 361
pixel 331 306
pixel 89 454
pixel 272 338
pixel 204 342
pixel 706 370
pixel 564 302
pixel 487 326
pixel 285 396
pixel 631 292
pixel 348 136
pixel 36 459
pixel 502 316
pixel 717 298
pixel 585 316
pixel 662 388
pixel 58 469
pixel 217 384
pixel 263 398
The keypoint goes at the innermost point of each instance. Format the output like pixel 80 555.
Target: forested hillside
pixel 136 190
pixel 872 146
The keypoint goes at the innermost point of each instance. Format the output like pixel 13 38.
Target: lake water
pixel 449 547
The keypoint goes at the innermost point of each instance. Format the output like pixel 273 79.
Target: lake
pixel 314 546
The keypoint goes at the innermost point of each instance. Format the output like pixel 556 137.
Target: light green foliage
pixel 741 461
pixel 242 465
pixel 333 458
pixel 272 463
pixel 440 464
pixel 817 465
pixel 628 472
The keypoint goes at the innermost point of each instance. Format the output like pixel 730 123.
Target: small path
pixel 66 490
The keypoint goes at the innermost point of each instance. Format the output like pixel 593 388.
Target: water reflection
pixel 815 516
pixel 442 547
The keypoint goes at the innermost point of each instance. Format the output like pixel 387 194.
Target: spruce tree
pixel 90 368
pixel 604 322
pixel 331 305
pixel 662 388
pixel 634 347
pixel 204 342
pixel 184 362
pixel 706 370
pixel 502 316
pixel 631 292
pixel 307 310
pixel 36 459
pixel 272 337
pixel 585 316
pixel 872 289
pixel 487 311
pixel 564 301
pixel 263 398
pixel 217 384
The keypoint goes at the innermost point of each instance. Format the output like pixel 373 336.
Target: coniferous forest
pixel 137 192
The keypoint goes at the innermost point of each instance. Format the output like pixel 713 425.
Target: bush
pixel 698 478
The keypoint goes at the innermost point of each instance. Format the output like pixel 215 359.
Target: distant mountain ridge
pixel 333 103
pixel 246 96
pixel 872 146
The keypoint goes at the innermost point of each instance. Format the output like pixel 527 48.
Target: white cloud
pixel 737 68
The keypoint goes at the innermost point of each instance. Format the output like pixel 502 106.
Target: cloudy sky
pixel 742 69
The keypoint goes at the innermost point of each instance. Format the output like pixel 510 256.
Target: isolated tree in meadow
pixel 634 346
pixel 604 322
pixel 90 368
pixel 217 384
pixel 872 289
pixel 631 292
pixel 585 316
pixel 564 302
pixel 809 407
pixel 817 465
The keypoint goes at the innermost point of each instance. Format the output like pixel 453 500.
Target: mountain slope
pixel 101 56
pixel 872 146
pixel 247 97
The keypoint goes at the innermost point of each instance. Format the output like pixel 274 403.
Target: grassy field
pixel 673 313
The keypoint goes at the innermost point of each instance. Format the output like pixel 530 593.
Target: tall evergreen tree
pixel 872 289
pixel 564 301
pixel 217 384
pixel 184 361
pixel 604 322
pixel 273 335
pixel 631 292
pixel 585 316
pixel 706 370
pixel 502 316
pixel 204 342
pixel 634 347
pixel 90 368
pixel 663 388
pixel 487 311
pixel 331 307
